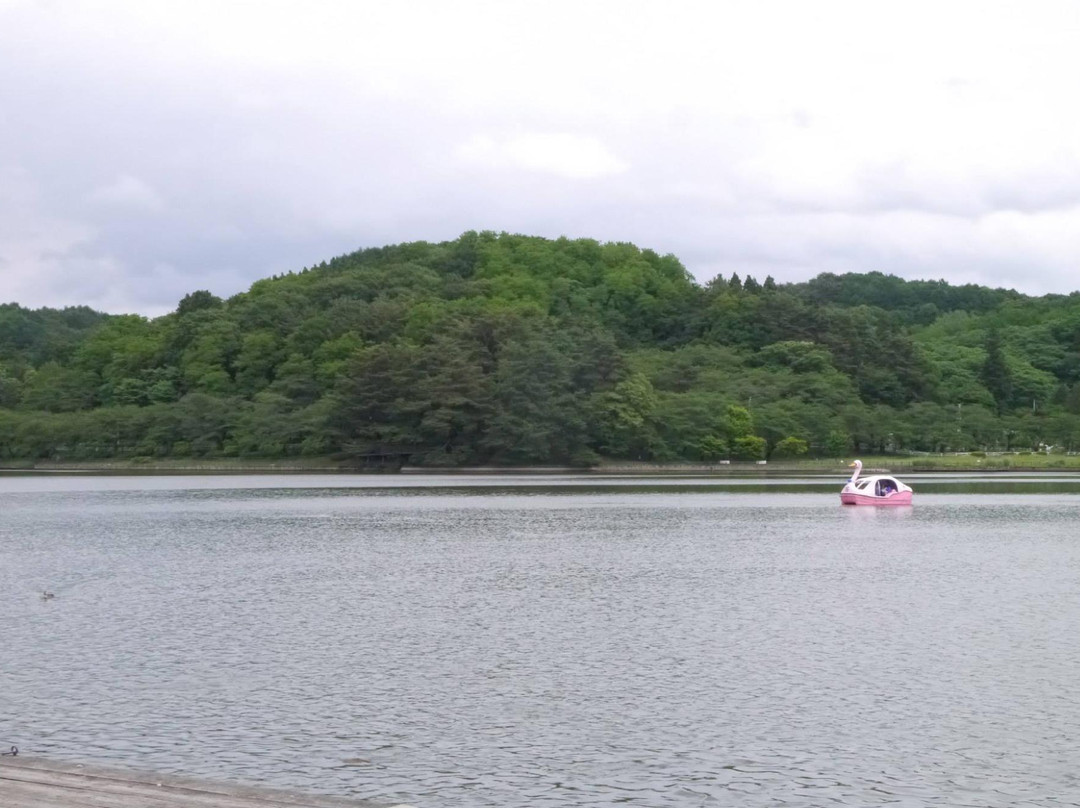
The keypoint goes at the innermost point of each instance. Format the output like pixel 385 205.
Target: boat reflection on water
pixel 880 516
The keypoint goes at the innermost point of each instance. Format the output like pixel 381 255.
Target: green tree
pixel 995 371
pixel 10 389
pixel 739 422
pixel 748 447
pixel 837 444
pixel 624 418
pixel 713 448
pixel 791 447
pixel 130 392
pixel 259 354
pixel 197 301
pixel 538 416
pixel 375 402
pixel 55 388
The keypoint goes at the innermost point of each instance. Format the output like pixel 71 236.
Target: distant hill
pixel 506 349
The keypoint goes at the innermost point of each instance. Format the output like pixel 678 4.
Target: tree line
pixel 505 349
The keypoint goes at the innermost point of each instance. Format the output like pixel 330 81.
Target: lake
pixel 542 640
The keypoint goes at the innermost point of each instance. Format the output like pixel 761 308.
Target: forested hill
pixel 507 349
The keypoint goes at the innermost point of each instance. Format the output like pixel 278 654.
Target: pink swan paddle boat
pixel 878 489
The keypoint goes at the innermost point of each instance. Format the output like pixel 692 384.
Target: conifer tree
pixel 995 371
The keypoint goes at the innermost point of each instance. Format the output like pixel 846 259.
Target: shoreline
pixel 996 463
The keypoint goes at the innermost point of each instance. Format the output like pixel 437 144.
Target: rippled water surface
pixel 551 641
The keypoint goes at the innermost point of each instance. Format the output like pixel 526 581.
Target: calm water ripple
pixel 545 645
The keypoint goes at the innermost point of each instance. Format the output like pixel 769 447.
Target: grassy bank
pixel 897 464
pixel 219 465
pixel 871 463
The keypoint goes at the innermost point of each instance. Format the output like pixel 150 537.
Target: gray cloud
pixel 157 148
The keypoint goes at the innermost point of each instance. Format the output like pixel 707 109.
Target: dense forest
pixel 507 349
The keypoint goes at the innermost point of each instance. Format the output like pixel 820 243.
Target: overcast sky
pixel 148 149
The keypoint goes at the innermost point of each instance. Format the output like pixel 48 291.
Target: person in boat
pixel 885 488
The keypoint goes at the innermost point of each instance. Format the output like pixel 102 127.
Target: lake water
pixel 559 641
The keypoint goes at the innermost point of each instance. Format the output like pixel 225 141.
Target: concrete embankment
pixel 33 782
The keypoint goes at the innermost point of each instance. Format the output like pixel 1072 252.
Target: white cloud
pixel 571 156
pixel 32 242
pixel 127 192
pixel 782 138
